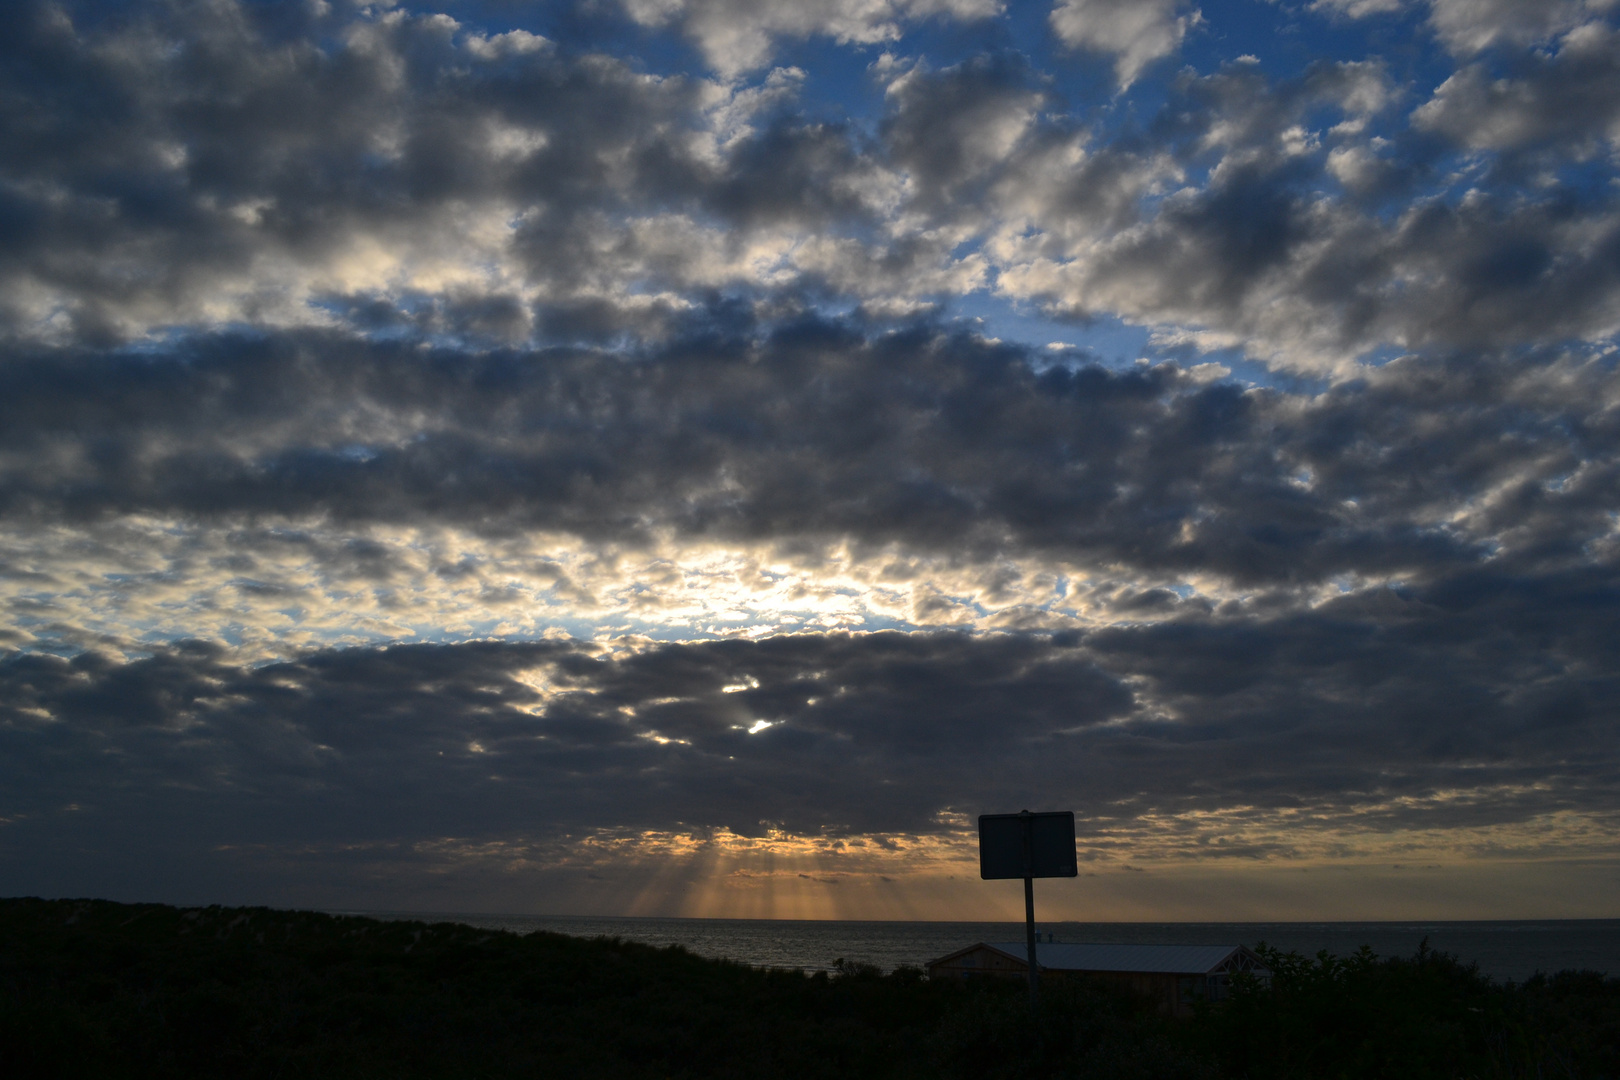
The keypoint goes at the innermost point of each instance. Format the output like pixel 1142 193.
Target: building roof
pixel 1162 959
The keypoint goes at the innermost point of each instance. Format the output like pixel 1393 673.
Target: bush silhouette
pixel 97 989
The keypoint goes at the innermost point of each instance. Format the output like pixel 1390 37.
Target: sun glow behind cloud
pixel 275 589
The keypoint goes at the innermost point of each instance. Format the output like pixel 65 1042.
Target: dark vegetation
pixel 91 988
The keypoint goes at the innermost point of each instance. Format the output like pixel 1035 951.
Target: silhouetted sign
pixel 1027 845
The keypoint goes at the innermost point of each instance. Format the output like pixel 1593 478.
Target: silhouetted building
pixel 1175 976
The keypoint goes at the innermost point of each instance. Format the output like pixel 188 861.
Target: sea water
pixel 1503 950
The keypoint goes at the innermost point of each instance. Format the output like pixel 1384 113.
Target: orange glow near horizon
pixel 1149 870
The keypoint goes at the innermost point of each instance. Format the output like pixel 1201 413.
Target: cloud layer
pixel 1454 723
pixel 431 444
pixel 406 172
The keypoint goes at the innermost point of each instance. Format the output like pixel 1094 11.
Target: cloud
pixel 932 440
pixel 950 128
pixel 1306 278
pixel 1359 9
pixel 736 36
pixel 1471 26
pixel 795 480
pixel 458 187
pixel 1136 33
pixel 1475 705
pixel 397 171
pixel 1564 101
pixel 1468 27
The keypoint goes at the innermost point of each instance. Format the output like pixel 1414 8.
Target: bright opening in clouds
pixel 693 457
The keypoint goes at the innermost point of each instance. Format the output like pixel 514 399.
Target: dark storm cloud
pixel 1365 708
pixel 937 440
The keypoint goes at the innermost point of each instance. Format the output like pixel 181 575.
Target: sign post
pixel 1028 846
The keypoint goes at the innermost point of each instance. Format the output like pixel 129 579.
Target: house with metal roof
pixel 1175 976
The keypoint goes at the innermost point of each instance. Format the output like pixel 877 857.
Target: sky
pixel 692 457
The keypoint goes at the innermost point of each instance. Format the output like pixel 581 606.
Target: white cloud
pixel 1466 27
pixel 1359 9
pixel 1136 32
pixel 1470 26
pixel 736 36
pixel 1568 98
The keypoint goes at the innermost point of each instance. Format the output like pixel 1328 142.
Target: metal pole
pixel 1029 934
pixel 1029 903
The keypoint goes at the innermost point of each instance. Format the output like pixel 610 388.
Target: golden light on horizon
pixel 1157 869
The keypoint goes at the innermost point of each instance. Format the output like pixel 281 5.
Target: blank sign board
pixel 1027 845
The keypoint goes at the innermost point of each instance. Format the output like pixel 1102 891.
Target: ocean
pixel 1513 949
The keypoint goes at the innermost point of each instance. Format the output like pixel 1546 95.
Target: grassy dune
pixel 92 988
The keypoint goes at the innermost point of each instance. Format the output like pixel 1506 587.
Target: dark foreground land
pixel 91 988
